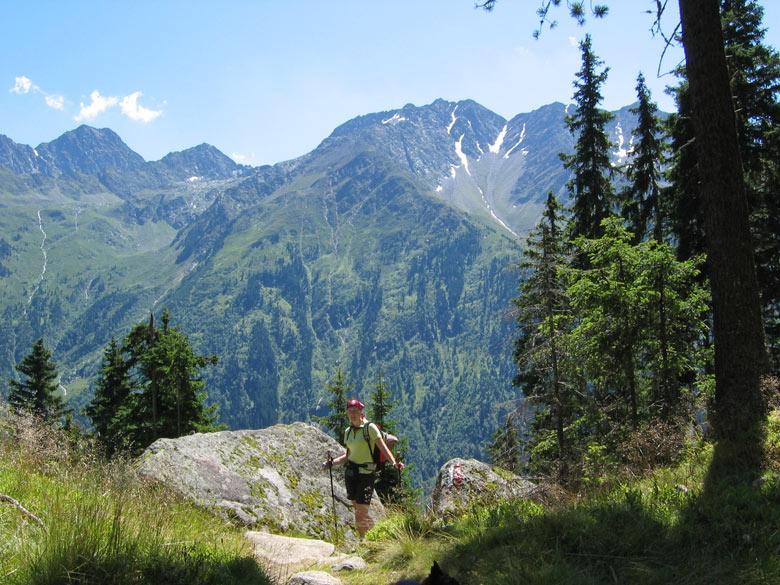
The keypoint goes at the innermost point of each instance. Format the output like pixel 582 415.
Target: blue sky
pixel 265 81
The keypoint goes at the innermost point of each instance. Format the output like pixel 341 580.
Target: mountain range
pixel 390 249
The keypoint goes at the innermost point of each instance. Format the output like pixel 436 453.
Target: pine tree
pixel 642 204
pixel 754 72
pixel 591 184
pixel 504 450
pixel 167 397
pixel 739 408
pixel 381 405
pixel 635 367
pixel 683 193
pixel 541 350
pixel 109 403
pixel 336 421
pixel 39 392
pixel 182 407
pixel 754 69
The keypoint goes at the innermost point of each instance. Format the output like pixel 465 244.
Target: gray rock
pixel 348 563
pixel 463 483
pixel 313 578
pixel 283 555
pixel 268 479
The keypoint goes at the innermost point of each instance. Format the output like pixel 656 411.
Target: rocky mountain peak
pixel 89 150
pixel 203 161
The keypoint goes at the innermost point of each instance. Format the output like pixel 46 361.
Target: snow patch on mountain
pixel 496 146
pixel 493 213
pixel 622 153
pixel 519 142
pixel 395 119
pixel 454 119
pixel 461 155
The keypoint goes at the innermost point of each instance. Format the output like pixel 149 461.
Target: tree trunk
pixel 740 352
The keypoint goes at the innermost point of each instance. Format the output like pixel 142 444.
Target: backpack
pixel 376 453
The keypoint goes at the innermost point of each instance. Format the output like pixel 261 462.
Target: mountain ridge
pixel 388 248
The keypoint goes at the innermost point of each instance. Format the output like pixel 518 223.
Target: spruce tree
pixel 381 405
pixel 110 401
pixel 641 200
pixel 38 392
pixel 754 69
pixel 591 184
pixel 167 398
pixel 635 367
pixel 336 421
pixel 504 450
pixel 541 349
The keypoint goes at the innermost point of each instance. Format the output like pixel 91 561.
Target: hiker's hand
pixel 328 463
pixel 399 465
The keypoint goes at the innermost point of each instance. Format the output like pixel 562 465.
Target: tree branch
pixel 22 509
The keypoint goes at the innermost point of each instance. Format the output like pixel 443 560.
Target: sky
pixel 266 81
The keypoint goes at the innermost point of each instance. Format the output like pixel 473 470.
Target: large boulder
pixel 269 479
pixel 464 483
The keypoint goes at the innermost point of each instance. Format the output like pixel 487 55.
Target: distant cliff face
pixel 389 248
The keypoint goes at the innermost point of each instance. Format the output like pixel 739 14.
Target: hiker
pixel 361 470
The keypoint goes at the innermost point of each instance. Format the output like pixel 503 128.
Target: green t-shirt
pixel 359 449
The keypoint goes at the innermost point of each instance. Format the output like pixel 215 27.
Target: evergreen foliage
pixel 637 368
pixel 149 388
pixel 109 402
pixel 504 450
pixel 38 392
pixel 542 352
pixel 381 405
pixel 590 185
pixel 754 70
pixel 336 421
pixel 641 201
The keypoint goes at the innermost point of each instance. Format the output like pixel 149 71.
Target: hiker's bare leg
pixel 362 521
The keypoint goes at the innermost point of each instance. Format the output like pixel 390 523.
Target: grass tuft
pixel 103 523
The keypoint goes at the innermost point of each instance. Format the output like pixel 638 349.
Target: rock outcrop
pixel 463 483
pixel 269 479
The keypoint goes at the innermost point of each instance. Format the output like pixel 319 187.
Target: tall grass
pixel 658 527
pixel 103 523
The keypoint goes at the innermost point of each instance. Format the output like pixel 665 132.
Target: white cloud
pixel 97 106
pixel 574 42
pixel 22 85
pixel 56 102
pixel 136 112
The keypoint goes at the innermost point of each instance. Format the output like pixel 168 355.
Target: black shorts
pixel 360 486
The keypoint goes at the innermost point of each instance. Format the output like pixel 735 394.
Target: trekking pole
pixel 332 495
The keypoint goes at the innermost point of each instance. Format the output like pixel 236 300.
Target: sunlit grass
pixel 663 527
pixel 103 524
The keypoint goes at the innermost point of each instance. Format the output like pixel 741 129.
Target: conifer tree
pixel 634 370
pixel 543 318
pixel 642 204
pixel 336 421
pixel 754 72
pixel 110 401
pixel 504 450
pixel 38 392
pixel 167 397
pixel 381 406
pixel 591 184
pixel 754 69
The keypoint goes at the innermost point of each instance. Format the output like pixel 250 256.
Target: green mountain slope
pixel 388 248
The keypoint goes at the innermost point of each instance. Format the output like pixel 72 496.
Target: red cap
pixel 354 403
